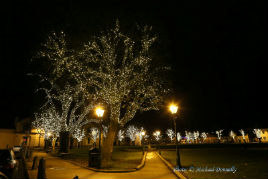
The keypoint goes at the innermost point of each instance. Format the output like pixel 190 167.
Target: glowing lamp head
pixel 99 112
pixel 173 108
pixel 143 133
pixel 48 134
pixel 157 132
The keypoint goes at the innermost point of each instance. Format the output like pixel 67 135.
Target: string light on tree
pixel 120 135
pixel 113 68
pixel 105 130
pixel 258 133
pixel 79 134
pixel 196 135
pixel 219 134
pixel 170 133
pixel 94 133
pixel 131 133
pixel 189 136
pixel 204 135
pixel 157 135
pixel 242 133
pixel 178 137
pixel 232 134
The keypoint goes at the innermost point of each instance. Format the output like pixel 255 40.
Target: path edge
pixel 172 168
pixel 140 166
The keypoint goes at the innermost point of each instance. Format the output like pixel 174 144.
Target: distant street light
pixel 173 109
pixel 143 135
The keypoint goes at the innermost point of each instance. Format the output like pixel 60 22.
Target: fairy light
pixel 79 134
pixel 178 136
pixel 94 133
pixel 170 133
pixel 204 136
pixel 219 134
pixel 196 135
pixel 232 134
pixel 128 87
pixel 258 133
pixel 242 133
pixel 157 135
pixel 131 132
pixel 120 135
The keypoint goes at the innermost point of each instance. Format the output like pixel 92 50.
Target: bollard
pixel 41 174
pixel 35 163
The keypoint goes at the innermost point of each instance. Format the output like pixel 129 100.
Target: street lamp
pixel 143 135
pixel 173 109
pixel 99 112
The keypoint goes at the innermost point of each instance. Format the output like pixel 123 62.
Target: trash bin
pixel 94 158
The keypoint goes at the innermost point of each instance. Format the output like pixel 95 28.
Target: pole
pixel 100 142
pixel 100 137
pixel 142 147
pixel 178 160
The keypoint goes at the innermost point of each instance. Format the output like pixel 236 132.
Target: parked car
pixel 8 163
pixel 18 152
pixel 17 148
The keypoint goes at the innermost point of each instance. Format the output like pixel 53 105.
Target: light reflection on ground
pixel 150 155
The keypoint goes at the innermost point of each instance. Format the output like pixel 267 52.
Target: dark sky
pixel 216 49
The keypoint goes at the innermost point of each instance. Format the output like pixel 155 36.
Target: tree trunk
pixel 107 147
pixel 71 143
pixel 64 141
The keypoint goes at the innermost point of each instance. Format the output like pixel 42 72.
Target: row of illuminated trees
pixel 132 132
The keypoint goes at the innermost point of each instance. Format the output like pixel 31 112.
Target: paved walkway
pixel 60 169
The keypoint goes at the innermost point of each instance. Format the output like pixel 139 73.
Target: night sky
pixel 216 50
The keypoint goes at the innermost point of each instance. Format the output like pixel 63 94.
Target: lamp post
pixel 99 112
pixel 173 109
pixel 142 134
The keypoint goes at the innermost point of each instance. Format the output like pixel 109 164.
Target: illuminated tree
pixel 115 69
pixel 131 133
pixel 196 135
pixel 178 137
pixel 170 133
pixel 189 136
pixel 258 133
pixel 79 134
pixel 157 135
pixel 47 121
pixel 104 130
pixel 122 74
pixel 219 134
pixel 232 134
pixel 204 136
pixel 67 109
pixel 120 135
pixel 94 133
pixel 243 134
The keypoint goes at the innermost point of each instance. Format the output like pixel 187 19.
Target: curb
pixel 115 171
pixel 170 167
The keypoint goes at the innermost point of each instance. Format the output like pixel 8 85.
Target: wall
pixel 8 137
